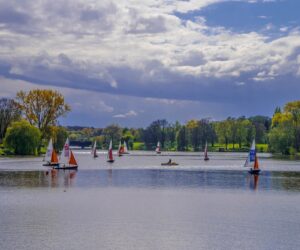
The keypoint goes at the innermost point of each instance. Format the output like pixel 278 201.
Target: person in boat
pixel 170 161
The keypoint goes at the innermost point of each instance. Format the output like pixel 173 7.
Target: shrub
pixel 22 138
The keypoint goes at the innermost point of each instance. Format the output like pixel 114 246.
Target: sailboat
pixel 252 160
pixel 205 153
pixel 120 149
pixel 110 157
pixel 94 150
pixel 125 148
pixel 67 158
pixel 157 150
pixel 50 156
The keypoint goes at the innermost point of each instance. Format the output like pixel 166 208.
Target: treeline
pixel 31 119
pixel 232 133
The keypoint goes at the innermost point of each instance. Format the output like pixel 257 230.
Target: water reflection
pixel 60 178
pixel 152 179
pixel 253 181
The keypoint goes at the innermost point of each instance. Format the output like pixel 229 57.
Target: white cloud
pixel 130 113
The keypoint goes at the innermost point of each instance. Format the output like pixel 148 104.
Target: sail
pixel 157 150
pixel 110 153
pixel 49 151
pixel 54 158
pixel 65 154
pixel 256 166
pixel 94 149
pixel 72 160
pixel 125 148
pixel 251 156
pixel 121 148
pixel 205 152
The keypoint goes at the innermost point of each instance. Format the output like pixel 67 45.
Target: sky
pixel 130 62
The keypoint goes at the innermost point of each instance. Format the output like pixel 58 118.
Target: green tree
pixel 112 132
pixel 9 112
pixel 42 108
pixel 181 138
pixel 23 138
pixel 60 135
pixel 223 132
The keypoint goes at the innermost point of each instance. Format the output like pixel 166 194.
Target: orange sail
pixel 54 158
pixel 72 160
pixel 256 163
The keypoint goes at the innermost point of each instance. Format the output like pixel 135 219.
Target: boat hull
pixel 110 161
pixel 170 164
pixel 206 159
pixel 66 167
pixel 51 164
pixel 254 171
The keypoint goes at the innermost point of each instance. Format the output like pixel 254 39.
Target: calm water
pixel 135 203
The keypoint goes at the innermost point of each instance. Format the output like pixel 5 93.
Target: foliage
pixel 42 108
pixel 60 135
pixel 9 112
pixel 112 132
pixel 285 134
pixel 23 138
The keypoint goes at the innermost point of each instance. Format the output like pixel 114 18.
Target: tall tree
pixel 42 108
pixel 9 112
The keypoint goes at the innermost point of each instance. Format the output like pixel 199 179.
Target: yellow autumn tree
pixel 42 107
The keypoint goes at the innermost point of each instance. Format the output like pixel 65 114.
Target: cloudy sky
pixel 131 61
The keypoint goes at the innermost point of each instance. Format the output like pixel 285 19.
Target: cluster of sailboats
pixel 67 159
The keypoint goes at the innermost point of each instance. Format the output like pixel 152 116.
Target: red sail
pixel 72 160
pixel 110 155
pixel 54 158
pixel 256 163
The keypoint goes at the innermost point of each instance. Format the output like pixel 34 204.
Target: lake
pixel 135 203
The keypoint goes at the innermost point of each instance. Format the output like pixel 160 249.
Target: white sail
pixel 125 148
pixel 251 156
pixel 157 150
pixel 48 154
pixel 65 154
pixel 94 148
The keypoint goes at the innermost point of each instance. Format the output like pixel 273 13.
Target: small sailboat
pixel 67 158
pixel 120 149
pixel 94 150
pixel 50 156
pixel 157 150
pixel 206 158
pixel 125 148
pixel 252 160
pixel 110 157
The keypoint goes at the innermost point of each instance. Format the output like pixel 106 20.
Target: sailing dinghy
pixel 125 148
pixel 67 158
pixel 110 157
pixel 94 150
pixel 252 160
pixel 50 156
pixel 157 150
pixel 206 158
pixel 120 149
